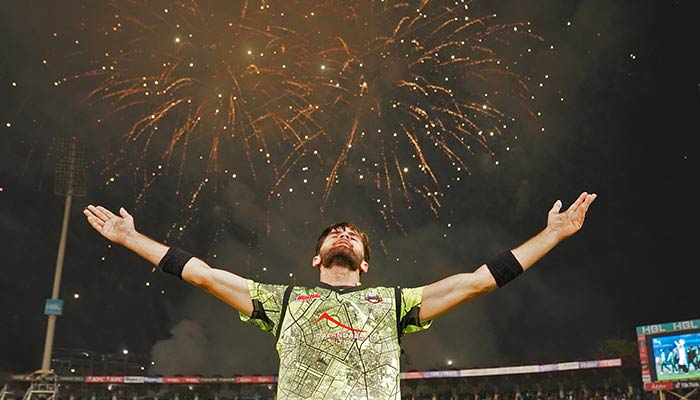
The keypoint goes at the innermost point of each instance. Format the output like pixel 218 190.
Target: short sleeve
pixel 410 322
pixel 267 305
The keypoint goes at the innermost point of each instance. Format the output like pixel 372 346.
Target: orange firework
pixel 419 86
pixel 394 96
pixel 204 80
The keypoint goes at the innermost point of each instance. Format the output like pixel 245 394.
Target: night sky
pixel 619 106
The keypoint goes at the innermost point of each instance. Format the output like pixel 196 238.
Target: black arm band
pixel 174 261
pixel 504 268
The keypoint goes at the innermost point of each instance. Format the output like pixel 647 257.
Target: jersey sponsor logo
pixel 373 298
pixel 308 297
pixel 327 317
pixel 341 337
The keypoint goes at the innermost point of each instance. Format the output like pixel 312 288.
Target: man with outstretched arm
pixel 340 340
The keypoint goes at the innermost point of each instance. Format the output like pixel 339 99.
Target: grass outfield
pixel 678 377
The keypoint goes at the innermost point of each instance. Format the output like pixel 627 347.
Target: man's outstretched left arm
pixel 446 294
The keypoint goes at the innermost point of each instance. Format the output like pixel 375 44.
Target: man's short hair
pixel 344 225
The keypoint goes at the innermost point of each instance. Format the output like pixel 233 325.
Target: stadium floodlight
pixel 70 181
pixel 70 178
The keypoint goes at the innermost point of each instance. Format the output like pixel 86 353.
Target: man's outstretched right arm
pixel 228 287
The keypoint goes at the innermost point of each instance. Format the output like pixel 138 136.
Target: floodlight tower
pixel 70 181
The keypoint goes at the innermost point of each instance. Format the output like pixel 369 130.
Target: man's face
pixel 343 246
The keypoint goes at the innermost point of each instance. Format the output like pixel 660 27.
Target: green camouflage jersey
pixel 337 342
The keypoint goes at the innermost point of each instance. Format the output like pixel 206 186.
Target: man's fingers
pixel 578 202
pixel 556 207
pixel 97 213
pixel 95 222
pixel 88 211
pixel 93 211
pixel 123 213
pixel 588 201
pixel 106 212
pixel 580 212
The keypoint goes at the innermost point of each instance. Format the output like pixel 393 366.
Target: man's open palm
pixel 570 221
pixel 114 227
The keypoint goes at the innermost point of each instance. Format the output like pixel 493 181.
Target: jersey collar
pixel 340 289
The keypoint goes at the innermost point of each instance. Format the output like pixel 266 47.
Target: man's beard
pixel 343 256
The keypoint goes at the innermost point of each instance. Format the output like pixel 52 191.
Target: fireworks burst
pixel 418 86
pixel 198 85
pixel 391 96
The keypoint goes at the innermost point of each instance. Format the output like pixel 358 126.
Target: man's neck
pixel 339 275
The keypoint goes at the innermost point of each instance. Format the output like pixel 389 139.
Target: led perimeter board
pixel 670 355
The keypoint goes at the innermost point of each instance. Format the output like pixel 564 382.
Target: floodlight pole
pixel 51 326
pixel 69 182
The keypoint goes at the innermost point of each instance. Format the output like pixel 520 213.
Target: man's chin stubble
pixel 340 258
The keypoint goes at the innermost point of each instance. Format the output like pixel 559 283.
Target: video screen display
pixel 676 356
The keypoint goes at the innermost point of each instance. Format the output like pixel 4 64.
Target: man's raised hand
pixel 116 228
pixel 566 223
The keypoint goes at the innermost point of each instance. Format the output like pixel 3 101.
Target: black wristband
pixel 173 262
pixel 504 268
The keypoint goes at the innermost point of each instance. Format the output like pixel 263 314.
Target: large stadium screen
pixel 670 355
pixel 676 356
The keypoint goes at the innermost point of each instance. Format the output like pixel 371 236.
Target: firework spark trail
pixel 339 162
